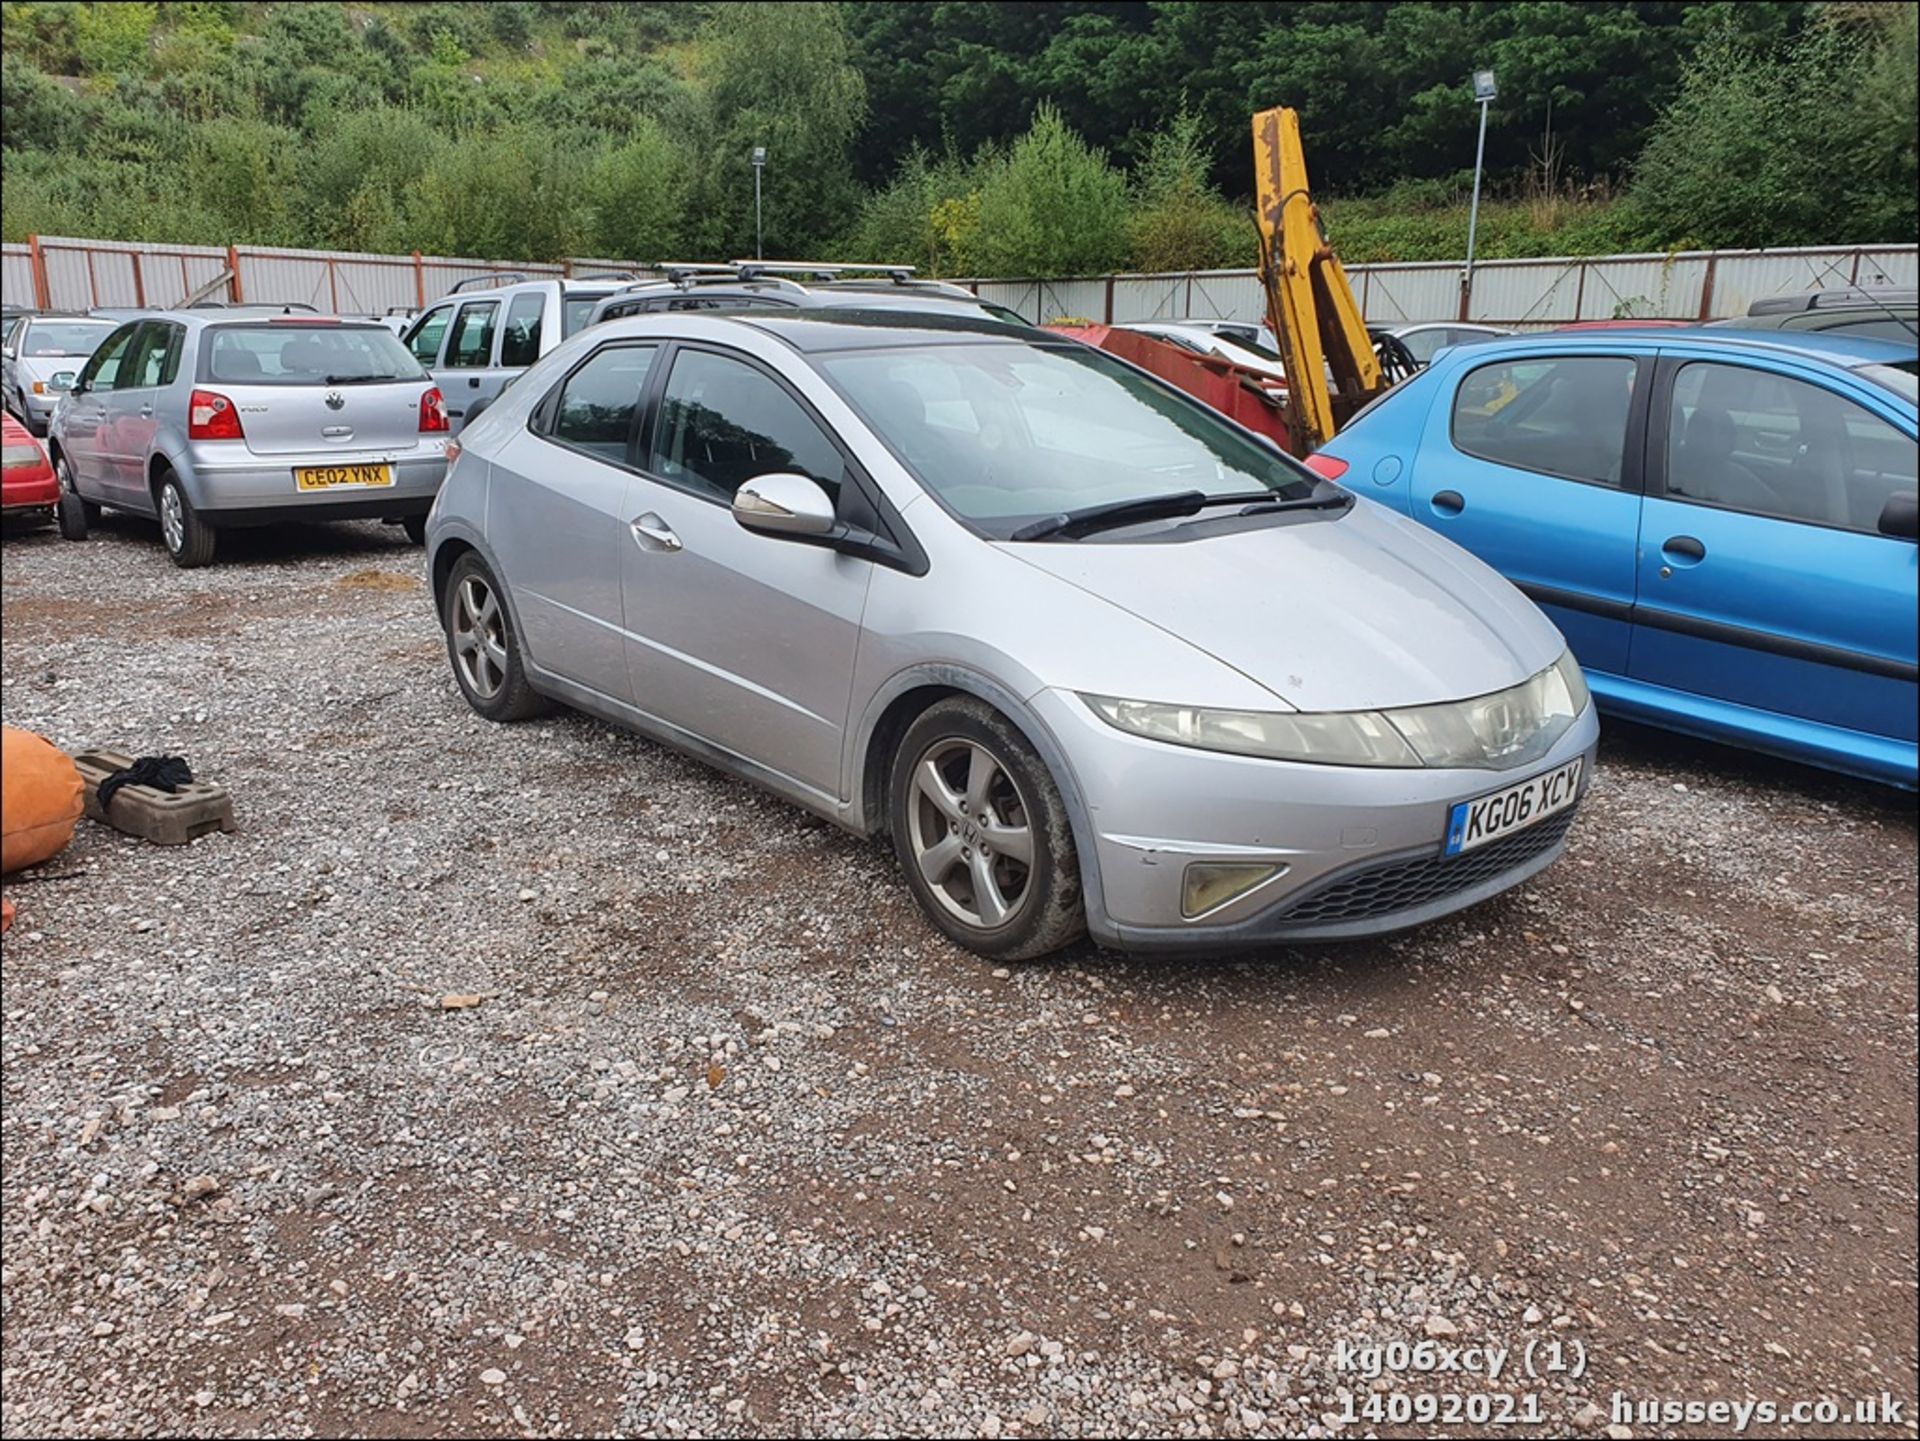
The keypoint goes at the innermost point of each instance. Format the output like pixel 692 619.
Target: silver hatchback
pixel 1094 658
pixel 217 419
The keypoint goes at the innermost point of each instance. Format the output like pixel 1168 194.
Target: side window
pixel 1563 416
pixel 520 343
pixel 102 372
pixel 597 402
pixel 723 422
pixel 470 347
pixel 1423 344
pixel 176 343
pixel 425 341
pixel 141 369
pixel 1768 444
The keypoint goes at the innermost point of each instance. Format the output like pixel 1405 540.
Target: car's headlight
pixel 1490 732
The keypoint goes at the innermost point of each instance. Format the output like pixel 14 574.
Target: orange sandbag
pixel 41 797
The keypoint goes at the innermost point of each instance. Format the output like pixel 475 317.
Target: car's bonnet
pixel 1364 612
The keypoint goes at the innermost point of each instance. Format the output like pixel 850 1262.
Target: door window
pixel 724 422
pixel 470 347
pixel 520 342
pixel 1768 444
pixel 145 365
pixel 1422 345
pixel 598 401
pixel 425 342
pixel 103 370
pixel 1563 416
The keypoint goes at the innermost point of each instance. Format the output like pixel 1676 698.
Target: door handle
pixel 1448 502
pixel 146 412
pixel 473 381
pixel 1683 550
pixel 654 533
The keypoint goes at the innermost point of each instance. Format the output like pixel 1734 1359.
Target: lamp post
pixel 1483 92
pixel 759 164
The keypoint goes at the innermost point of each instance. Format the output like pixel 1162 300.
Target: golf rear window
pixel 281 354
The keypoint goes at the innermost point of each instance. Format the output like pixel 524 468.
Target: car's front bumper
pixel 1359 849
pixel 236 489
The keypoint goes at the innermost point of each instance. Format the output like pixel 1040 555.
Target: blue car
pixel 1721 522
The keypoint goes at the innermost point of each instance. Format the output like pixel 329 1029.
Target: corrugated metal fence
pixel 1689 285
pixel 63 273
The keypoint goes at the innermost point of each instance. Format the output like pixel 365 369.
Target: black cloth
pixel 167 773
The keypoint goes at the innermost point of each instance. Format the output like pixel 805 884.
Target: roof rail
pixel 498 277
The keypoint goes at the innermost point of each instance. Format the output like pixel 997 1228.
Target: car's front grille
pixel 1401 885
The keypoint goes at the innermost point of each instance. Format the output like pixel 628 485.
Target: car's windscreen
pixel 1006 434
pixel 1902 377
pixel 575 313
pixel 66 337
pixel 281 354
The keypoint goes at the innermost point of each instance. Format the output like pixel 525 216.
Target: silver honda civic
pixel 1093 658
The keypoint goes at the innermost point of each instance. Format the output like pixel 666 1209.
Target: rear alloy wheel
pixel 982 834
pixel 188 538
pixel 70 512
pixel 482 647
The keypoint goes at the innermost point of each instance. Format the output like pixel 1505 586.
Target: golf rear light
pixel 433 411
pixel 1207 886
pixel 211 416
pixel 1326 466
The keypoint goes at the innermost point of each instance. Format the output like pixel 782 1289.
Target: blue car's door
pixel 1765 580
pixel 1533 463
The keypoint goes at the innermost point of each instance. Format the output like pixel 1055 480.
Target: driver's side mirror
pixel 784 504
pixel 1900 516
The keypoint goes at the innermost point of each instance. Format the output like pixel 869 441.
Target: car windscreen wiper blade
pixel 1334 500
pixel 1076 523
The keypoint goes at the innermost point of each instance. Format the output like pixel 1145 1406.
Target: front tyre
pixel 188 538
pixel 482 646
pixel 982 834
pixel 69 512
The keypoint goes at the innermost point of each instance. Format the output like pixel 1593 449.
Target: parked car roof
pixel 1845 295
pixel 1842 349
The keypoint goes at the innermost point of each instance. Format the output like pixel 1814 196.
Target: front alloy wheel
pixel 982 833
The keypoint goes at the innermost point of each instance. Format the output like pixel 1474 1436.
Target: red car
pixel 27 483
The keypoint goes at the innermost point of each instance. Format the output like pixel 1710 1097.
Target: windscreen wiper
pixel 1337 500
pixel 1075 523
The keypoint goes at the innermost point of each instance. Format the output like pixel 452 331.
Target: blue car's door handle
pixel 1448 502
pixel 1683 550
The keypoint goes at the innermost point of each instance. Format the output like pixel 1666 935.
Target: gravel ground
pixel 727 1141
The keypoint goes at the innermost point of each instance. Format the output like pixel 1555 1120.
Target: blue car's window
pixel 1560 415
pixel 1767 444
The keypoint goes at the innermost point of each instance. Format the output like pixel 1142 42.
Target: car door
pixel 82 440
pixel 742 640
pixel 1532 462
pixel 152 361
pixel 557 514
pixel 469 364
pixel 428 335
pixel 1764 578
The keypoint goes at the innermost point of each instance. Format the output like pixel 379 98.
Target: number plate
pixel 342 477
pixel 1489 817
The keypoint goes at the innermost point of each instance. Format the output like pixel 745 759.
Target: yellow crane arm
pixel 1310 306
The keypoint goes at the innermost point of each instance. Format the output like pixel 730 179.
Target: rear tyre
pixel 982 834
pixel 416 528
pixel 482 646
pixel 188 538
pixel 70 512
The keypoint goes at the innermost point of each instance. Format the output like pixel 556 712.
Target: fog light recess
pixel 1209 885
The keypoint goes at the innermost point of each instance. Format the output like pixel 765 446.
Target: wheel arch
pixel 894 708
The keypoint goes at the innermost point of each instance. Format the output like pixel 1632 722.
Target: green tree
pixel 637 192
pixel 114 39
pixel 780 76
pixel 1179 221
pixel 1055 207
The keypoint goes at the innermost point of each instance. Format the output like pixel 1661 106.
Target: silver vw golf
pixel 1095 659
